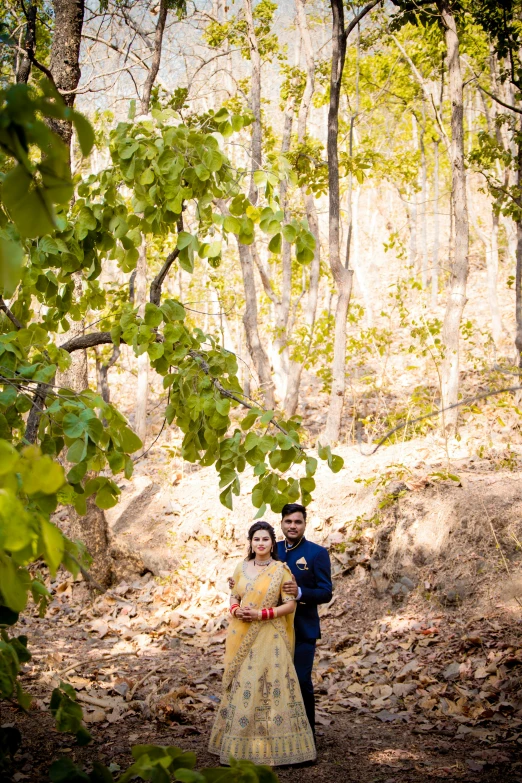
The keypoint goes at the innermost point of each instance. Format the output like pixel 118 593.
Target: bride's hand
pixel 231 582
pixel 247 614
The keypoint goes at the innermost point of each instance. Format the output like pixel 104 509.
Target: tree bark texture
pixel 518 269
pixel 250 321
pixel 435 251
pixel 65 53
pixel 296 368
pixel 156 57
pixel 255 98
pixel 459 267
pixel 142 386
pixel 341 275
pixel 24 68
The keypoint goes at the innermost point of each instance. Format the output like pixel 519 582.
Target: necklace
pixel 263 565
pixel 294 546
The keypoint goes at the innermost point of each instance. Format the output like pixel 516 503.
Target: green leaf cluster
pixel 163 764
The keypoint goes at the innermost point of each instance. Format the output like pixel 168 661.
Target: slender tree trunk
pixel 459 267
pixel 518 270
pixel 255 97
pixel 341 275
pixel 492 272
pixel 102 373
pixel 24 66
pixel 435 252
pixel 296 368
pixel 490 242
pixel 156 57
pixel 140 278
pixel 250 321
pixel 142 386
pixel 411 209
pixel 424 199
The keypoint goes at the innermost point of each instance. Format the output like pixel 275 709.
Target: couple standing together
pixel 267 711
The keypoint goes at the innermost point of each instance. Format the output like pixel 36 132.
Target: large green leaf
pixel 11 262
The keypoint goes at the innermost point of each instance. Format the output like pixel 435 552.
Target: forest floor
pixel 419 671
pixel 408 690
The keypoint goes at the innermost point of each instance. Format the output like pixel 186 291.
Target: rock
pixel 359 573
pixel 94 716
pixel 408 670
pixel 407 582
pixel 454 595
pixel 399 592
pixel 452 672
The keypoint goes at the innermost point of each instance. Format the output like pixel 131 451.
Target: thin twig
pixel 138 684
pixel 93 660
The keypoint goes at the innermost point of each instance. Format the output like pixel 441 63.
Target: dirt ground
pixel 418 674
pixel 174 685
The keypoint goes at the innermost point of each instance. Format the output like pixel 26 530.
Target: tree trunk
pixel 411 209
pixel 255 98
pixel 518 271
pixel 65 53
pixel 492 272
pixel 424 198
pixel 296 368
pixel 24 68
pixel 435 258
pixel 254 345
pixel 459 267
pixel 142 386
pixel 102 373
pixel 156 57
pixel 341 275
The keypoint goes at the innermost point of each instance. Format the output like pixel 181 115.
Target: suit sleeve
pixel 322 592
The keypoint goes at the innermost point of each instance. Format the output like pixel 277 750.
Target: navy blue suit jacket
pixel 315 580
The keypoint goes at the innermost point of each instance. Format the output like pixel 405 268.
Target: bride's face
pixel 261 543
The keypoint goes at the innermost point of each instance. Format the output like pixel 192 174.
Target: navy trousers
pixel 303 662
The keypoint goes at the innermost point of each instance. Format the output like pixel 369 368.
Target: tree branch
pixel 362 13
pixel 110 45
pixel 264 274
pixel 14 320
pixel 155 286
pixel 497 100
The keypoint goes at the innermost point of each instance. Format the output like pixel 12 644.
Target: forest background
pixel 282 227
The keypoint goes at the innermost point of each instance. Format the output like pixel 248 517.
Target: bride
pixel 261 716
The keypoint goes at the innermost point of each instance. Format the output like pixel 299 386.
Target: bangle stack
pixel 267 614
pixel 233 609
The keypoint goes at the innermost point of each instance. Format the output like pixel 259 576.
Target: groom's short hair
pixel 292 508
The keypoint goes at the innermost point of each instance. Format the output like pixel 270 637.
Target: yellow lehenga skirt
pixel 261 716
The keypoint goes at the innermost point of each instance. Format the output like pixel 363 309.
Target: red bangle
pixel 271 613
pixel 264 614
pixel 233 609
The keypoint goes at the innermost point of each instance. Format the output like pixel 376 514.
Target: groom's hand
pixel 291 587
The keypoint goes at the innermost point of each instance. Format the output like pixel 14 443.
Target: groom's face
pixel 293 526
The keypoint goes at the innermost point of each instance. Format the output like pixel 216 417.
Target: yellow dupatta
pixel 264 591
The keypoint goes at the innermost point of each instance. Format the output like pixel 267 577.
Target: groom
pixel 311 586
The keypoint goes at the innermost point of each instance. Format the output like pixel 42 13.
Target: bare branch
pixel 110 45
